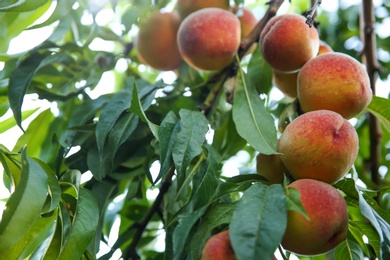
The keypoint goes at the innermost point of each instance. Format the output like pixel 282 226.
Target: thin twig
pixel 131 252
pixel 311 13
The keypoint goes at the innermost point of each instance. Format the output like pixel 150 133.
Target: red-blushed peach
pixel 324 48
pixel 271 167
pixel 247 21
pixel 218 247
pixel 319 145
pixel 327 225
pixel 156 41
pixel 334 81
pixel 286 82
pixel 186 7
pixel 287 42
pixel 209 38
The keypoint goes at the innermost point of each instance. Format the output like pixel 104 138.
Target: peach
pixel 334 81
pixel 324 48
pixel 271 167
pixel 247 20
pixel 209 38
pixel 287 42
pixel 327 225
pixel 156 42
pixel 218 247
pixel 186 7
pixel 286 82
pixel 319 145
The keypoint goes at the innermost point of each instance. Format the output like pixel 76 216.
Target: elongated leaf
pixel 263 80
pixel 8 123
pixel 189 139
pixel 111 112
pixel 253 122
pixel 380 107
pixel 63 7
pixel 19 81
pixel 83 228
pixel 349 250
pixel 293 201
pixel 258 222
pixel 138 109
pixel 183 229
pixel 361 229
pixel 25 204
pixel 22 6
pixel 167 134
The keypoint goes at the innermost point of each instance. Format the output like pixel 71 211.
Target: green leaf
pixel 24 206
pixel 349 250
pixel 253 122
pixel 380 107
pixel 189 139
pixel 137 108
pixel 8 123
pixel 360 229
pixel 167 134
pixel 215 216
pixel 21 6
pixel 19 81
pixel 111 112
pixel 83 228
pixel 263 80
pixel 182 230
pixel 293 201
pixel 258 222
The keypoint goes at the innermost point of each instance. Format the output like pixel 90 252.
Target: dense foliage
pixel 127 161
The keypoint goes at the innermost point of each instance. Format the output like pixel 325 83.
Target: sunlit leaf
pixel 380 107
pixel 349 250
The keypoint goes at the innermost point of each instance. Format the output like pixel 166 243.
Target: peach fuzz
pixel 218 247
pixel 208 39
pixel 334 81
pixel 286 82
pixel 327 225
pixel 156 41
pixel 271 167
pixel 287 42
pixel 319 145
pixel 186 7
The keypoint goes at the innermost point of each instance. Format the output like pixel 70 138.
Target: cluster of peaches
pixel 320 146
pixel 205 34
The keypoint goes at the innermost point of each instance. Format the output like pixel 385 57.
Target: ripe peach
pixel 209 38
pixel 247 20
pixel 324 48
pixel 327 225
pixel 287 42
pixel 156 42
pixel 186 7
pixel 218 247
pixel 286 82
pixel 319 145
pixel 334 81
pixel 271 167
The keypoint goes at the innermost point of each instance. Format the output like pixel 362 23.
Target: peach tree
pixel 105 156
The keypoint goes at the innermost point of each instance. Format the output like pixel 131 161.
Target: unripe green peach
pixel 156 42
pixel 327 225
pixel 271 167
pixel 209 38
pixel 334 81
pixel 287 42
pixel 186 7
pixel 319 145
pixel 286 82
pixel 218 247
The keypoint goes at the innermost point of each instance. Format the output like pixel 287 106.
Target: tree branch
pixel 246 43
pixel 131 252
pixel 370 60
